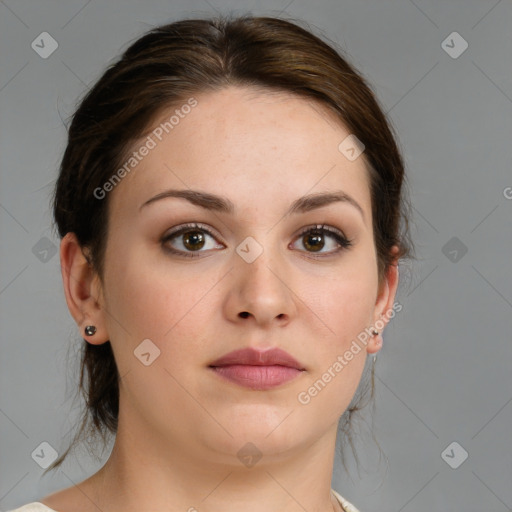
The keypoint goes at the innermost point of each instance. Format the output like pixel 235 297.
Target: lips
pixel 253 357
pixel 257 370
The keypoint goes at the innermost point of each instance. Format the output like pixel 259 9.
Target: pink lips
pixel 256 369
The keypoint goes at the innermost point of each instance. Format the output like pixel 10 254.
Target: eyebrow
pixel 224 205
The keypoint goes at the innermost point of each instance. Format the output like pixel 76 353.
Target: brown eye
pixel 188 239
pixel 193 240
pixel 316 238
pixel 313 241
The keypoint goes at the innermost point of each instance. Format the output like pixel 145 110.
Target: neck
pixel 147 472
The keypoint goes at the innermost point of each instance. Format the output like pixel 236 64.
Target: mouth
pixel 258 370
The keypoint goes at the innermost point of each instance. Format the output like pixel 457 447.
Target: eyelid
pixel 323 228
pixel 190 226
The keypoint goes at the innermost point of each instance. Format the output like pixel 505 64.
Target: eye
pixel 193 238
pixel 190 238
pixel 313 238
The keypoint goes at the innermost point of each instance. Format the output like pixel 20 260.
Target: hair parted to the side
pixel 162 69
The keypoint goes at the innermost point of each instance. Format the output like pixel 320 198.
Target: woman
pixel 231 209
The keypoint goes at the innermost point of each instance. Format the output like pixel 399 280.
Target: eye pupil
pixel 192 238
pixel 314 238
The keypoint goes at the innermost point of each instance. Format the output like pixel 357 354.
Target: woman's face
pixel 254 281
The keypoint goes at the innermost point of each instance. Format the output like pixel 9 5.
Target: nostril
pixel 244 314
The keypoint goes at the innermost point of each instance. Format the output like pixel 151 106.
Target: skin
pixel 180 425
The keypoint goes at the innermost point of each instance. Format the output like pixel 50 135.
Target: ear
pixel 82 288
pixel 384 310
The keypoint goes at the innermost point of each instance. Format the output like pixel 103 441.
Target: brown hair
pixel 162 69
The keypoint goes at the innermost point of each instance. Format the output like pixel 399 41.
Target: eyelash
pixel 338 236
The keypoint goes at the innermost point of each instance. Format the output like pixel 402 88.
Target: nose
pixel 260 292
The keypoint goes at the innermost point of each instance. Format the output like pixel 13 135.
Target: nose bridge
pixel 256 262
pixel 260 279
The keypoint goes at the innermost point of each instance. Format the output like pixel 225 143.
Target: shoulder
pixel 35 506
pixel 347 506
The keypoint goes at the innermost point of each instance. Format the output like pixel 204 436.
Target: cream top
pixel 36 506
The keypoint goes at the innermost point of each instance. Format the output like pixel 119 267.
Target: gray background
pixel 443 375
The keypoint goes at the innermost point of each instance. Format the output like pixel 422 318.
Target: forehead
pixel 258 147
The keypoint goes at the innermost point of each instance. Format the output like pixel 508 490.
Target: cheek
pixel 350 309
pixel 144 302
pixel 342 305
pixel 345 307
pixel 346 314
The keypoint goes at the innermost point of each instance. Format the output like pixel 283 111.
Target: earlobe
pixel 80 290
pixel 375 343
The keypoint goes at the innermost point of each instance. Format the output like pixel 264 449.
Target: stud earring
pixel 90 330
pixel 375 332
